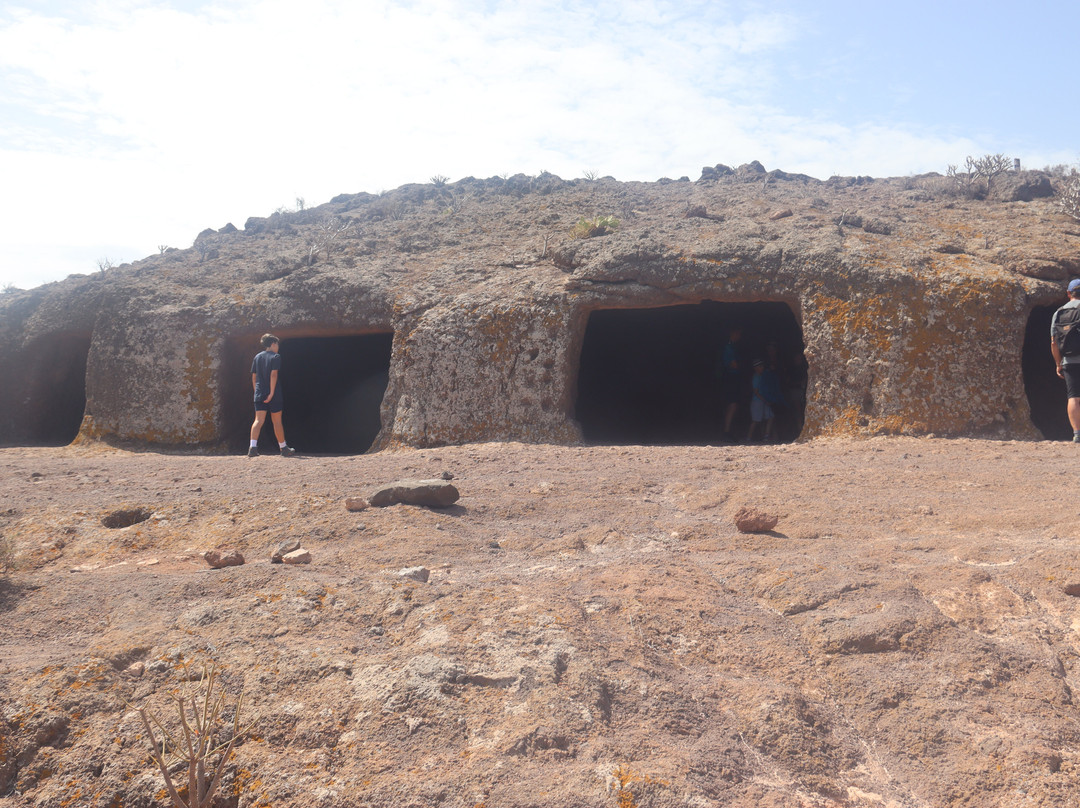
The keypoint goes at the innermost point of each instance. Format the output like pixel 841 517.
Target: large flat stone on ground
pixel 433 493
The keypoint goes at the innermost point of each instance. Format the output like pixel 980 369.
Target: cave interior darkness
pixel 1045 391
pixel 56 388
pixel 333 387
pixel 650 376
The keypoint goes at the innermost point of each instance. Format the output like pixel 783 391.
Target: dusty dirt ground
pixel 904 637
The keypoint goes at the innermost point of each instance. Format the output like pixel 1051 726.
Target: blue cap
pixel 1074 284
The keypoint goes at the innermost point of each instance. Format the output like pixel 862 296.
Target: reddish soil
pixel 905 636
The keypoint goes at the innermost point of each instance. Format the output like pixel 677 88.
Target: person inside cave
pixel 734 376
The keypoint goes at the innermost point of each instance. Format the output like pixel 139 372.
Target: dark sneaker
pixel 1076 438
pixel 253 452
pixel 288 451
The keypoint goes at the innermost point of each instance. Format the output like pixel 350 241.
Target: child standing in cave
pixel 766 395
pixel 268 398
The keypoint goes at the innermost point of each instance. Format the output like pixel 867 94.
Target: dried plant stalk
pixel 202 735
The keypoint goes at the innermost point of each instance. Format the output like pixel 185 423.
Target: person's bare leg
pixel 729 416
pixel 1074 413
pixel 256 428
pixel 279 429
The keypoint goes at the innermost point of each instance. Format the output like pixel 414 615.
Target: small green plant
pixel 200 734
pixel 597 226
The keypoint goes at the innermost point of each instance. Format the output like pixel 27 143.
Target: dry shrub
pixel 200 738
pixel 7 554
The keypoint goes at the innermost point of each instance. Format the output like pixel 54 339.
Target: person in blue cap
pixel 1065 346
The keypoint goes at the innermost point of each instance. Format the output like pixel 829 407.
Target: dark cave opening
pixel 56 388
pixel 333 388
pixel 1045 391
pixel 652 376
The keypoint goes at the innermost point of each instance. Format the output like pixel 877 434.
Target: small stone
pixel 284 549
pixel 416 573
pixel 780 214
pixel 280 631
pixel 1073 590
pixel 356 504
pixel 751 520
pixel 300 556
pixel 223 557
pixel 135 669
pixel 378 631
pixel 925 510
pixel 446 475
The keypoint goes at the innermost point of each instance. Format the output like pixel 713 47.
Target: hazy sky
pixel 129 124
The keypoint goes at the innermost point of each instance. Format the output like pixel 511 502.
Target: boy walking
pixel 268 398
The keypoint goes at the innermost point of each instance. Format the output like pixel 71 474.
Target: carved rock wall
pixel 903 334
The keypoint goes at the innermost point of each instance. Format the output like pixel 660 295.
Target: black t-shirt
pixel 261 366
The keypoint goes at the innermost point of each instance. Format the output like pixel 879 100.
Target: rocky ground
pixel 594 631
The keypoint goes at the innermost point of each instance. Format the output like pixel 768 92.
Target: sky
pixel 130 125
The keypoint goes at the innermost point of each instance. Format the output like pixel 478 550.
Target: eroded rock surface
pixel 487 297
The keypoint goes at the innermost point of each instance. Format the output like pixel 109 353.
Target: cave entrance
pixel 650 376
pixel 333 388
pixel 1045 391
pixel 55 388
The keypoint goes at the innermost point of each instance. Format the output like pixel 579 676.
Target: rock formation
pixel 466 312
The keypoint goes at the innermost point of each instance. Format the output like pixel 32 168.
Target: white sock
pixel 254 443
pixel 281 445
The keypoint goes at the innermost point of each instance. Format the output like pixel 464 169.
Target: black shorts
pixel 1072 379
pixel 276 404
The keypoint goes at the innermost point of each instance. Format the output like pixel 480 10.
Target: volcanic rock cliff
pixel 472 311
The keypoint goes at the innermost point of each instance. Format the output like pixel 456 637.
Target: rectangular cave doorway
pixel 652 376
pixel 1045 391
pixel 53 375
pixel 333 387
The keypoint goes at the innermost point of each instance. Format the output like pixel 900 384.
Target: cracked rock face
pixel 906 297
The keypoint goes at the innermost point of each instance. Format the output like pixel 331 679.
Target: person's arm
pixel 254 383
pixel 1054 349
pixel 273 386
